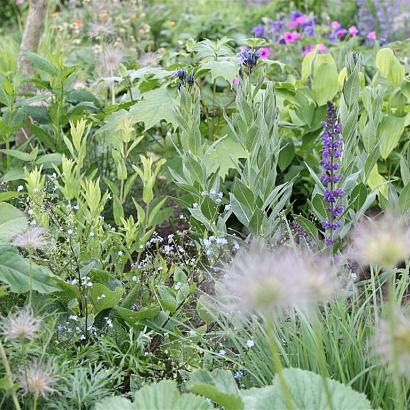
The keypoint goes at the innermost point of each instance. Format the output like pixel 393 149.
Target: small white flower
pixel 109 197
pixel 353 275
pixel 250 343
pixel 192 333
pixel 33 222
pixel 222 352
pixel 227 207
pixel 92 234
pixel 134 278
pixel 120 253
pixel 178 285
pixel 73 317
pixel 221 241
pixel 54 175
pixel 168 249
pixel 20 188
pixel 195 205
pixel 70 231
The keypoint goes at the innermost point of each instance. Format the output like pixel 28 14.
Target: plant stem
pixel 391 296
pixel 30 273
pixel 321 358
pixel 277 364
pixel 9 376
pixel 35 402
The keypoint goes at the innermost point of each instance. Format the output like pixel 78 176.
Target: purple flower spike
pixel 331 153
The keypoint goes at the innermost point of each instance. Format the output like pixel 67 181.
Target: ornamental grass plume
pixel 384 241
pixel 262 280
pixel 32 239
pixel 37 380
pixel 20 325
pixel 391 345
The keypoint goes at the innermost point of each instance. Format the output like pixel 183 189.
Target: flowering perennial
pixel 331 154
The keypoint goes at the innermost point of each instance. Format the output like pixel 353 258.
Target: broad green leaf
pixel 5 196
pixel 224 155
pixel 243 213
pixel 390 130
pixel 133 317
pixel 23 156
pixel 42 64
pixel 307 66
pixel 103 297
pixel 228 70
pixel 404 199
pixel 376 181
pixel 389 66
pixel 155 106
pixel 325 78
pixel 308 392
pixel 12 222
pixel 115 403
pixel 14 271
pixel 165 395
pixel 167 298
pixel 219 386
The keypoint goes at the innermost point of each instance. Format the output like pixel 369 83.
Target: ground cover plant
pixel 204 204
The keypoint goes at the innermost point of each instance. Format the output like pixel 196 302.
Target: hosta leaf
pixel 404 199
pixel 389 66
pixel 14 271
pixel 325 78
pixel 390 130
pixel 155 106
pixel 12 222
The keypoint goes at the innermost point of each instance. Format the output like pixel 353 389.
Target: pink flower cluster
pixel 291 36
pixel 339 31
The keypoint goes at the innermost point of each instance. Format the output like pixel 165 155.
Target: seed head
pixel 394 344
pixel 111 60
pixel 21 325
pixel 32 239
pixel 262 280
pixel 37 380
pixel 384 242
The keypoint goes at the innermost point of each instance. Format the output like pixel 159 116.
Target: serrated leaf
pixel 155 106
pixel 228 70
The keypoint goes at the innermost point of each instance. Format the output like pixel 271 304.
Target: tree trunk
pixel 33 30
